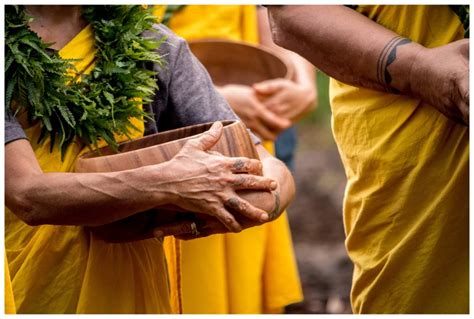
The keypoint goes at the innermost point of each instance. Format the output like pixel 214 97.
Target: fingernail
pixel 263 217
pixel 158 233
pixel 273 185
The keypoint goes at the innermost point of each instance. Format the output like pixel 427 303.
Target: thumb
pixel 268 87
pixel 208 139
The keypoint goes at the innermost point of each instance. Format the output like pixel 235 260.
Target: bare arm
pixel 274 202
pixel 140 226
pixel 291 99
pixel 353 49
pixel 71 198
pixel 100 198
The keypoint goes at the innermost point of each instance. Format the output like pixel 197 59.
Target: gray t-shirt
pixel 186 95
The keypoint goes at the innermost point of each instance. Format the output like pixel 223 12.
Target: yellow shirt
pixel 63 269
pixel 406 203
pixel 253 271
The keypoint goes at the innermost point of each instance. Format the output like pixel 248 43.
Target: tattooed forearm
pixel 387 57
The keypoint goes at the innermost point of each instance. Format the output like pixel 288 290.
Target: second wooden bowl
pixel 232 62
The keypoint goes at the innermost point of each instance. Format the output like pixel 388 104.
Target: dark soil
pixel 316 223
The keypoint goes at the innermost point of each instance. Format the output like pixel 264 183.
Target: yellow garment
pixel 159 12
pixel 64 269
pixel 407 198
pixel 9 300
pixel 253 271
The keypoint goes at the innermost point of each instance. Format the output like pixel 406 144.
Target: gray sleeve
pixel 13 130
pixel 186 93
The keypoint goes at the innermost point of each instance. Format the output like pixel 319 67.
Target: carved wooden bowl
pixel 161 147
pixel 155 149
pixel 232 62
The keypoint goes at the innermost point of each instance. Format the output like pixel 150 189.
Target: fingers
pixel 241 181
pixel 211 227
pixel 227 219
pixel 464 108
pixel 463 100
pixel 208 139
pixel 274 121
pixel 245 208
pixel 269 120
pixel 177 228
pixel 245 165
pixel 270 86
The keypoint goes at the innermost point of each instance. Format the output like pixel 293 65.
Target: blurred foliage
pixel 322 114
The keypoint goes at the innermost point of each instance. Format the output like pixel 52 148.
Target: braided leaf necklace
pixel 103 102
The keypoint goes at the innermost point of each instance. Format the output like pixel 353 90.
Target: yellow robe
pixel 406 206
pixel 9 300
pixel 63 269
pixel 251 272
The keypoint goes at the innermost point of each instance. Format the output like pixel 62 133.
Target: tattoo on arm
pixel 387 56
pixel 276 210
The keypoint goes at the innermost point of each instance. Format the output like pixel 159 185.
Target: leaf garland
pixel 102 103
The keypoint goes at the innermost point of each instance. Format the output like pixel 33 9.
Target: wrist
pixel 405 71
pixel 159 186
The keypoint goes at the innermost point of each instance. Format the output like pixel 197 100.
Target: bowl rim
pixel 95 154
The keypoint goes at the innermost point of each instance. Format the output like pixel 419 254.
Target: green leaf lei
pixel 102 103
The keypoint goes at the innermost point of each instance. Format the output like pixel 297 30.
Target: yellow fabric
pixel 159 11
pixel 406 202
pixel 231 22
pixel 172 248
pixel 253 271
pixel 9 300
pixel 63 269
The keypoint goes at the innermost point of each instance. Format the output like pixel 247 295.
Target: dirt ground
pixel 316 224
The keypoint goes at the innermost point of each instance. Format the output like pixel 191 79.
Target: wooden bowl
pixel 161 147
pixel 232 62
pixel 155 149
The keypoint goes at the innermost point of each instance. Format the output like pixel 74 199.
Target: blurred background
pixel 316 214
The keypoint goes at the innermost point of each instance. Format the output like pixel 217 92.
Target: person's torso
pixel 406 201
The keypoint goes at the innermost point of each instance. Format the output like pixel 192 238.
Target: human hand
pixel 252 112
pixel 207 182
pixel 440 77
pixel 206 226
pixel 161 222
pixel 141 226
pixel 286 98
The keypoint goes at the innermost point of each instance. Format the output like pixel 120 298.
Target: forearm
pixel 304 72
pixel 276 170
pixel 76 198
pixel 355 50
pixel 88 199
